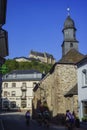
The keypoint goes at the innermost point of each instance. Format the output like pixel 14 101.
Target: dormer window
pixel 14 75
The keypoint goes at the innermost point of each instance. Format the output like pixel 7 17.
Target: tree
pixel 14 65
pixel 4 69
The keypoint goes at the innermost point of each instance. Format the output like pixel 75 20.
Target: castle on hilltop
pixel 37 56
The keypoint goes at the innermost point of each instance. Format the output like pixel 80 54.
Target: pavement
pixel 1 125
pixel 56 127
pixel 83 126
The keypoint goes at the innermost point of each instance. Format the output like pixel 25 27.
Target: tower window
pixel 71 44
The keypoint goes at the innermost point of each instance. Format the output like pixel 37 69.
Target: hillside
pixel 14 65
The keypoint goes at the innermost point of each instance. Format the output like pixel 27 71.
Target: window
pixel 5 104
pixel 23 104
pixel 14 75
pixel 84 108
pixel 71 44
pixel 5 93
pixel 13 104
pixel 5 85
pixel 24 84
pixel 13 85
pixel 13 93
pixel 23 94
pixel 84 77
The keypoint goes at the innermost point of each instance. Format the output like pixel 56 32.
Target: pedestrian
pixel 27 116
pixel 69 120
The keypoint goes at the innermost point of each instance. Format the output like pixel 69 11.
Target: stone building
pixel 37 56
pixel 43 57
pixel 59 87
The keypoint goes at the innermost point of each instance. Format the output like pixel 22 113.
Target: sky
pixel 37 25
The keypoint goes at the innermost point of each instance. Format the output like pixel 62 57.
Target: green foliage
pixel 4 69
pixel 14 65
pixel 11 64
pixel 84 119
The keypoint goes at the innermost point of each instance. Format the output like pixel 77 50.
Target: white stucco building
pixel 82 87
pixel 17 89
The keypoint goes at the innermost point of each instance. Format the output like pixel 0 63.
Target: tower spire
pixel 68 11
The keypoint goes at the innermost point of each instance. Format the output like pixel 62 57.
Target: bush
pixel 84 119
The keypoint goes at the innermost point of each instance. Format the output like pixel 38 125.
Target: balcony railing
pixel 23 88
pixel 23 97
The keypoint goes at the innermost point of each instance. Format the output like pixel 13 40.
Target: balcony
pixel 23 88
pixel 23 97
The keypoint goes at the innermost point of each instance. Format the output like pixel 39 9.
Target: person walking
pixel 70 120
pixel 27 116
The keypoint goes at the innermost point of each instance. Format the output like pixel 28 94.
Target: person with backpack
pixel 27 116
pixel 70 120
pixel 46 118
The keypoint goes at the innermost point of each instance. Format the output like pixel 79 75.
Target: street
pixel 16 121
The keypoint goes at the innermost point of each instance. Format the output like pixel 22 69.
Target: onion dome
pixel 69 23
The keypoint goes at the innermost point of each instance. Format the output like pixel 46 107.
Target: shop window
pixel 13 104
pixel 5 104
pixel 23 104
pixel 84 108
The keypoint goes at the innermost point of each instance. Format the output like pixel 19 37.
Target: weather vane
pixel 68 10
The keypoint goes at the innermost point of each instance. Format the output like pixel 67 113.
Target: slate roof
pixel 72 91
pixel 72 56
pixel 24 72
pixel 23 75
pixel 69 23
pixel 41 54
pixel 82 61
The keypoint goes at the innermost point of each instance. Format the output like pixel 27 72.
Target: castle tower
pixel 69 34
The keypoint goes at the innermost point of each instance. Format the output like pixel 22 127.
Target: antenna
pixel 68 10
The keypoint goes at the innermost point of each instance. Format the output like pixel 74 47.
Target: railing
pixel 23 88
pixel 23 97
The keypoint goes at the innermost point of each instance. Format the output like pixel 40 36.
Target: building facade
pixel 3 40
pixel 37 56
pixel 17 89
pixel 62 77
pixel 82 87
pixel 43 57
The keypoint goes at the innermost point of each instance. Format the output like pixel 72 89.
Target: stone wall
pixel 56 85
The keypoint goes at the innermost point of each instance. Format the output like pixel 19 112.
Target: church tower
pixel 69 34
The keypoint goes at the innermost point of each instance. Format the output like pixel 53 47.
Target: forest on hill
pixel 11 64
